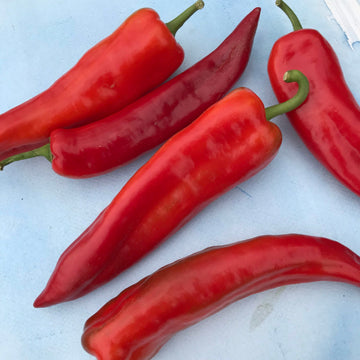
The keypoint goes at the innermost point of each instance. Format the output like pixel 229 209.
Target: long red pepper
pixel 138 56
pixel 227 144
pixel 141 319
pixel 100 147
pixel 329 121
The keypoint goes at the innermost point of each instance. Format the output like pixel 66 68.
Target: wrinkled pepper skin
pixel 230 142
pixel 104 145
pixel 329 121
pixel 112 74
pixel 141 319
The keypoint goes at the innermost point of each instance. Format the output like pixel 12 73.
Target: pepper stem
pixel 290 14
pixel 41 151
pixel 291 104
pixel 175 24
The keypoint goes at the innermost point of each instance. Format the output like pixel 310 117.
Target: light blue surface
pixel 42 213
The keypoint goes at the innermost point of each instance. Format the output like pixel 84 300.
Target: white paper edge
pixel 347 15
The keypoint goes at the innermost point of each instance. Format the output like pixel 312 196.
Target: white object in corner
pixel 347 14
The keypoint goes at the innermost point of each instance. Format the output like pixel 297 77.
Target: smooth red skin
pixel 109 143
pixel 328 122
pixel 135 324
pixel 138 56
pixel 226 145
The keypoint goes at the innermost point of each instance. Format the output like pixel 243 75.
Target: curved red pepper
pixel 137 323
pixel 138 56
pixel 227 144
pixel 100 147
pixel 329 121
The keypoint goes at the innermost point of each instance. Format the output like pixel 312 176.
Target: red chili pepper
pixel 100 147
pixel 141 319
pixel 329 121
pixel 227 144
pixel 138 56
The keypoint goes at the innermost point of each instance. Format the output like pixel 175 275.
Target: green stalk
pixel 294 102
pixel 175 24
pixel 41 151
pixel 290 14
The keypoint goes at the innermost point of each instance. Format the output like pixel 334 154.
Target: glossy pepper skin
pixel 329 121
pixel 141 319
pixel 112 74
pixel 226 145
pixel 102 146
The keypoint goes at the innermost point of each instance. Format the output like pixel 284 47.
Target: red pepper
pixel 138 56
pixel 100 147
pixel 329 121
pixel 141 319
pixel 227 144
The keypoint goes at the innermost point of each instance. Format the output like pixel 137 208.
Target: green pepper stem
pixel 41 151
pixel 175 24
pixel 290 14
pixel 294 102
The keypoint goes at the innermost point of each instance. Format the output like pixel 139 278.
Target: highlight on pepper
pixel 328 123
pixel 143 317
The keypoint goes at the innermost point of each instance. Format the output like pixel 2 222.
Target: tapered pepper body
pixel 227 144
pixel 135 324
pixel 138 56
pixel 329 121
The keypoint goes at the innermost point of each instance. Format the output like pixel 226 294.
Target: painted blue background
pixel 42 213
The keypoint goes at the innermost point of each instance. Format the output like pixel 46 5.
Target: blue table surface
pixel 42 212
